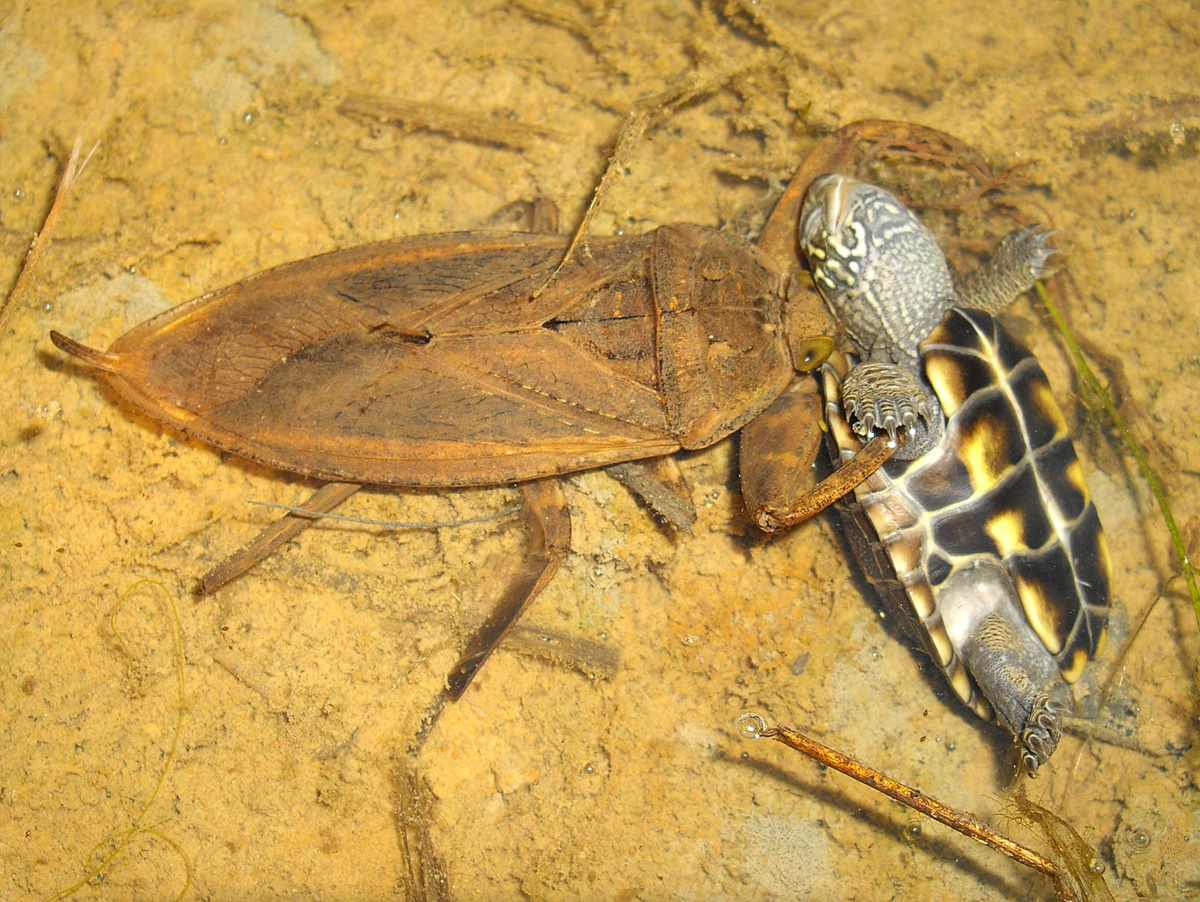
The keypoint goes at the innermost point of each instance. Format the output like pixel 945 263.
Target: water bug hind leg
pixel 661 484
pixel 545 514
pixel 283 530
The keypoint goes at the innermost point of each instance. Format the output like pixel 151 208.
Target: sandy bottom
pixel 296 694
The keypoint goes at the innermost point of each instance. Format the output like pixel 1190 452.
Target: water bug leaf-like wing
pixel 423 362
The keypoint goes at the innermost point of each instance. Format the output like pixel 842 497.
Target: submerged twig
pixel 645 115
pixel 752 726
pixel 484 128
pixel 42 241
pixel 424 875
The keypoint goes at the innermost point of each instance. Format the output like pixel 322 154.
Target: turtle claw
pixel 1027 250
pixel 886 414
pixel 883 396
pixel 1019 261
pixel 1041 733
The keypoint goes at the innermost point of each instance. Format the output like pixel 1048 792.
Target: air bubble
pixel 751 726
pixel 1140 840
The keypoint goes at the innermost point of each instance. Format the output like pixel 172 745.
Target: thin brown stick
pixel 834 487
pixel 42 241
pixel 753 726
pixel 647 114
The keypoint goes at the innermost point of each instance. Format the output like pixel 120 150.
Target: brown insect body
pixel 456 360
pixel 429 361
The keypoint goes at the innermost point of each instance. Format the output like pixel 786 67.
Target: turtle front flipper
pixel 1019 261
pixel 888 397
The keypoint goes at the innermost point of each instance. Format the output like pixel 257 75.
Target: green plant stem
pixel 1085 371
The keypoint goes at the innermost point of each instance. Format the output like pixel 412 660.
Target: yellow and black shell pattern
pixel 1004 483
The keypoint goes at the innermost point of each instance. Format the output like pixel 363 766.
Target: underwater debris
pixel 106 851
pixel 790 858
pixel 592 659
pixel 423 876
pixel 1059 834
pixel 41 242
pixel 481 128
pixel 1079 858
pixel 1166 130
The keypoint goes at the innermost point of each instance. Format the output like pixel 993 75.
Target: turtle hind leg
pixel 1018 262
pixel 1010 666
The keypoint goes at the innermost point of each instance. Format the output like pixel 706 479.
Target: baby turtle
pixel 991 546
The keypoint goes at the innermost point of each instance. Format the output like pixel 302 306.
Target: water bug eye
pixel 810 353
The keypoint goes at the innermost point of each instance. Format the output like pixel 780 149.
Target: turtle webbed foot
pixel 887 397
pixel 1026 249
pixel 1041 733
pixel 1019 261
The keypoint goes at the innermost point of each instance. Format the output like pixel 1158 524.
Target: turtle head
pixel 824 211
pixel 828 233
pixel 880 270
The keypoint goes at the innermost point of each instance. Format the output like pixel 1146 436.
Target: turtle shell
pixel 1004 484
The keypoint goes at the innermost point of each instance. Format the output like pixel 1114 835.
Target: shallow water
pixel 305 681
